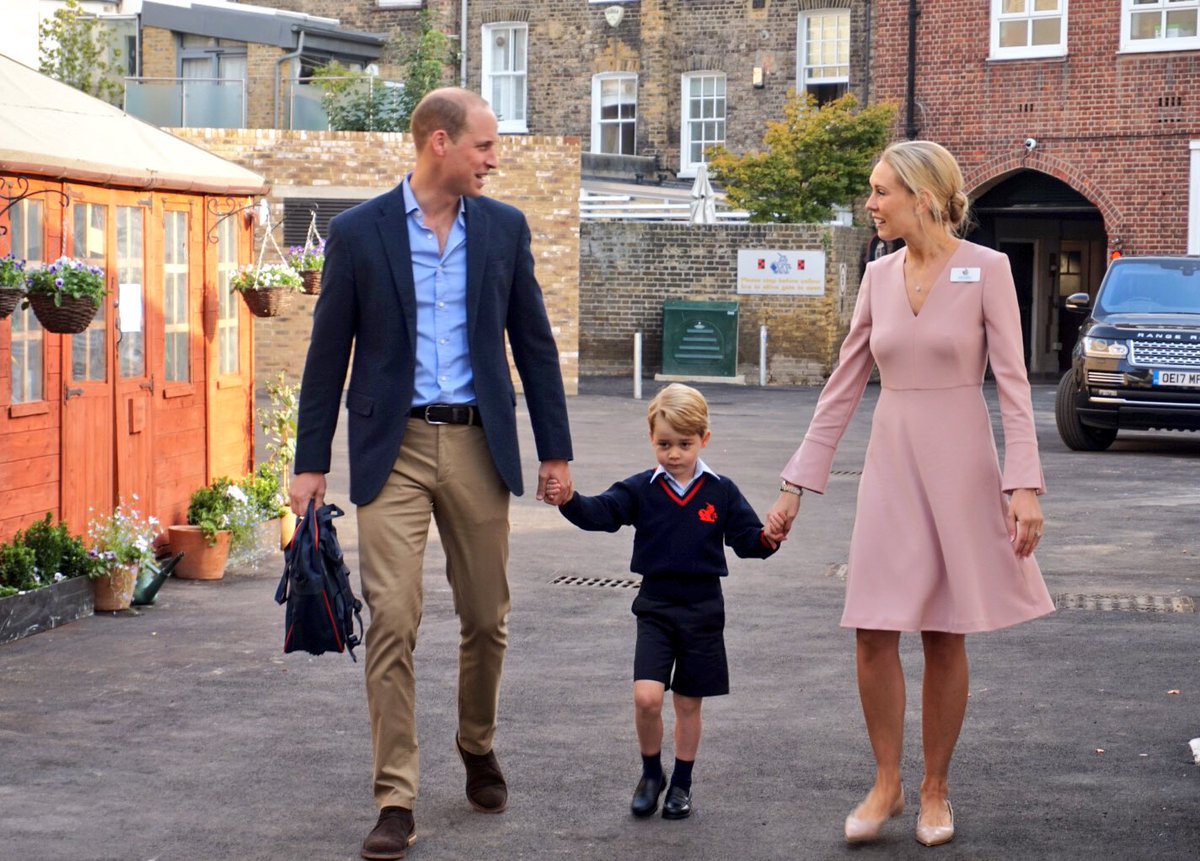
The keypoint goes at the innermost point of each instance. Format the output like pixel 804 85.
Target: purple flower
pixel 58 282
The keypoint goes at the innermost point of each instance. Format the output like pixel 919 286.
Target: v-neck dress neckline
pixel 932 284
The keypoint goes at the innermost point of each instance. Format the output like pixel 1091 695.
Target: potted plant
pixel 308 260
pixel 217 515
pixel 261 509
pixel 65 295
pixel 264 287
pixel 44 581
pixel 279 425
pixel 123 544
pixel 12 284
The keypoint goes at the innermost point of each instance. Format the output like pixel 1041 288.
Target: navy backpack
pixel 321 608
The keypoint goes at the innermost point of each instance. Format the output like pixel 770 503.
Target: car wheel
pixel 1077 435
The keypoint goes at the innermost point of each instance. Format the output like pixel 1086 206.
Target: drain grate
pixel 609 582
pixel 1127 603
pixel 845 472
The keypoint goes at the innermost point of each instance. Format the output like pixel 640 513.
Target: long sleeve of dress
pixel 809 467
pixel 1002 325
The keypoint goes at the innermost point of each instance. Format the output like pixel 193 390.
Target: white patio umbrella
pixel 704 204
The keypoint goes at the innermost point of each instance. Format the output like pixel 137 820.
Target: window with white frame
pixel 1029 28
pixel 89 239
pixel 1160 25
pixel 823 52
pixel 228 334
pixel 505 65
pixel 176 330
pixel 703 124
pixel 28 355
pixel 614 113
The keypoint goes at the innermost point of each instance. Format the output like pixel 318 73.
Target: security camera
pixel 1030 144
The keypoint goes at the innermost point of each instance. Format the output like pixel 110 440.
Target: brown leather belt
pixel 448 414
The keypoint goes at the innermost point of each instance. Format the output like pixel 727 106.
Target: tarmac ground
pixel 181 731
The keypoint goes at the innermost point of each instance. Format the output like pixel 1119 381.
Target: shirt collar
pixel 411 205
pixel 701 468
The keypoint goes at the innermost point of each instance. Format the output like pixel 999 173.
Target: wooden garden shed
pixel 156 397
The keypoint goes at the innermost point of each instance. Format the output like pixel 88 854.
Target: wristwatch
pixel 787 487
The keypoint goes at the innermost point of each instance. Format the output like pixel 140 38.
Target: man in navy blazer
pixel 420 287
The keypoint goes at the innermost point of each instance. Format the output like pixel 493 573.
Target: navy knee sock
pixel 682 775
pixel 652 766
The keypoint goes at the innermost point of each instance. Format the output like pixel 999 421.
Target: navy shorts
pixel 681 642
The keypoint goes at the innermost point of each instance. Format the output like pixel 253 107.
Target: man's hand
pixel 306 486
pixel 560 471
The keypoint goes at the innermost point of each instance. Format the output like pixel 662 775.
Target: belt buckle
pixel 430 421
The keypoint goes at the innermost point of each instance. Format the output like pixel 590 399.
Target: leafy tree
pixel 817 157
pixel 357 102
pixel 74 48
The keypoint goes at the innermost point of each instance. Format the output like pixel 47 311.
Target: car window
pixel 1159 287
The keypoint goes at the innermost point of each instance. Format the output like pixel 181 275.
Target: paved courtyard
pixel 183 732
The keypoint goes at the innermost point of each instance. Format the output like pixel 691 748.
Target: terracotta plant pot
pixel 114 591
pixel 201 561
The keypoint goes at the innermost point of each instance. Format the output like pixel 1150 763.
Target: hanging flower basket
pixel 66 295
pixel 10 298
pixel 12 284
pixel 308 259
pixel 70 317
pixel 312 281
pixel 265 287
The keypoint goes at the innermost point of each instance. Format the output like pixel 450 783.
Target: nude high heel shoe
pixel 862 829
pixel 935 835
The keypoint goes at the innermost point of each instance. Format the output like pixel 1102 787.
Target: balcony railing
pixel 304 106
pixel 213 103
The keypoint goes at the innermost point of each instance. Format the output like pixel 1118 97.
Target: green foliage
pixel 265 277
pixel 279 424
pixel 56 550
pixel 68 277
pixel 18 568
pixel 358 102
pixel 73 48
pixel 223 506
pixel 817 157
pixel 262 490
pixel 125 537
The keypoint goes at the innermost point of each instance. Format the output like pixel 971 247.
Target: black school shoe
pixel 678 804
pixel 645 796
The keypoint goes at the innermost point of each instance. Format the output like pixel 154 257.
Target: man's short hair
pixel 682 407
pixel 446 109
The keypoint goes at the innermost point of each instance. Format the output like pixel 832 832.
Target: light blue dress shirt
pixel 443 374
pixel 682 489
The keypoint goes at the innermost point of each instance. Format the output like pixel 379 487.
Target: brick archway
pixel 991 172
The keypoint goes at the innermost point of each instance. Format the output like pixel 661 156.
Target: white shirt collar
pixel 681 489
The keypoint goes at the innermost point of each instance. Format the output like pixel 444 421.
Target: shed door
pixel 88 479
pixel 135 385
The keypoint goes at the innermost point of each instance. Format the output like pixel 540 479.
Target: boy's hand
pixel 781 516
pixel 556 494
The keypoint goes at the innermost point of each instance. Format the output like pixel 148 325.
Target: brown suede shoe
pixel 392 835
pixel 486 789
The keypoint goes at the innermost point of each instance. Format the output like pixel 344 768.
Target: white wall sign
pixel 773 271
pixel 129 307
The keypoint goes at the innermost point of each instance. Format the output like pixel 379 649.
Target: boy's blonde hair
pixel 682 407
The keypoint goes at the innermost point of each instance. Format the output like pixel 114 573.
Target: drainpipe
pixel 866 87
pixel 910 128
pixel 462 45
pixel 279 67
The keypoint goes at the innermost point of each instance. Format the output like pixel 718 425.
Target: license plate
pixel 1187 379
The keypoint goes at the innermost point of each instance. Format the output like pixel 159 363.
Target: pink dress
pixel 930 550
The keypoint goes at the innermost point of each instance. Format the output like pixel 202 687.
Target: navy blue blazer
pixel 367 306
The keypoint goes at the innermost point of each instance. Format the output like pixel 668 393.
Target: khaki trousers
pixel 446 471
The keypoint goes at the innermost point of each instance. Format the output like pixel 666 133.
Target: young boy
pixel 682 513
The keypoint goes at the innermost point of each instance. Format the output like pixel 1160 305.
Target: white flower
pixel 237 493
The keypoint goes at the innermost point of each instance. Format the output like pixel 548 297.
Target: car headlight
pixel 1103 348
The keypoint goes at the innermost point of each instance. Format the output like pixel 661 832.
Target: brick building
pixel 1077 135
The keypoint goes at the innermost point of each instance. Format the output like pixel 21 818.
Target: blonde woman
pixel 943 537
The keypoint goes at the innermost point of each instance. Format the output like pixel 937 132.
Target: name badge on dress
pixel 964 274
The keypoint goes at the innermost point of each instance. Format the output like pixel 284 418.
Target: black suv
pixel 1136 365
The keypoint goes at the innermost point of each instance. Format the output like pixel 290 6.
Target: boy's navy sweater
pixel 675 535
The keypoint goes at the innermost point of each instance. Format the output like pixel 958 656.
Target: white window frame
pixel 27 338
pixel 519 78
pixel 687 167
pixel 803 81
pixel 1193 233
pixel 598 123
pixel 177 329
pixel 399 4
pixel 1166 43
pixel 229 360
pixel 1029 15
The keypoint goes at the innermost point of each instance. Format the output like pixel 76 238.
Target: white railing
pixel 600 207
